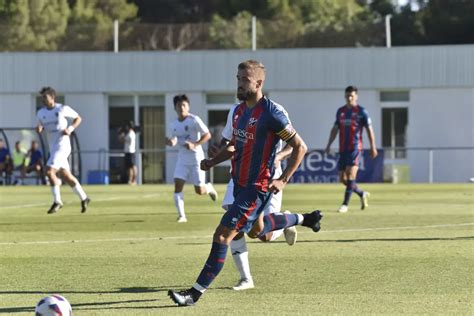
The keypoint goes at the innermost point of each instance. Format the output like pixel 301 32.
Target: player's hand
pixel 189 145
pixel 206 164
pixel 373 153
pixel 276 185
pixel 171 141
pixel 213 150
pixel 66 132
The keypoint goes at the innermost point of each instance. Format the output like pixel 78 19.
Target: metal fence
pixel 419 165
pixel 237 34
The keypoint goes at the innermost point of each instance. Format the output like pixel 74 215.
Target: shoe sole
pixel 213 196
pixel 243 288
pixel 53 211
pixel 171 294
pixel 291 235
pixel 317 227
pixel 84 209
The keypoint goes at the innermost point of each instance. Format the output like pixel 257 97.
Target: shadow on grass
pixel 91 306
pixel 118 291
pixel 101 305
pixel 390 239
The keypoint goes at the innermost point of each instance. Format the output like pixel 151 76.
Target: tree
pixel 91 23
pixel 33 24
pixel 448 22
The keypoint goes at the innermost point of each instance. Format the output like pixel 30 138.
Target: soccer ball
pixel 53 305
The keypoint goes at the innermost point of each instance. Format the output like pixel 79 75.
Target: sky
pixel 414 6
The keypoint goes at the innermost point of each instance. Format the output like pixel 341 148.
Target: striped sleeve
pixel 281 123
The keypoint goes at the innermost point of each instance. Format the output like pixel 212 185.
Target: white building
pixel 418 97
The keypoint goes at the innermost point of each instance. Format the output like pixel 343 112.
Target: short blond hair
pixel 255 66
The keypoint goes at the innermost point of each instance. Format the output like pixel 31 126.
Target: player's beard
pixel 245 95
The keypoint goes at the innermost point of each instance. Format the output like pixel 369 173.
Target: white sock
pixel 79 191
pixel 55 189
pixel 300 219
pixel 238 248
pixel 209 187
pixel 276 234
pixel 179 203
pixel 200 288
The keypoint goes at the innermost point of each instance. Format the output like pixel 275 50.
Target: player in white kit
pixel 189 133
pixel 238 246
pixel 53 118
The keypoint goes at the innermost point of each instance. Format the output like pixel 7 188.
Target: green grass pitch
pixel 410 252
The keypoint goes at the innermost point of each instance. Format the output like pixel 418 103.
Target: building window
pixel 394 130
pixel 151 131
pixel 394 96
pixel 220 98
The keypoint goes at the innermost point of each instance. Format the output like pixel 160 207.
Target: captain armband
pixel 287 133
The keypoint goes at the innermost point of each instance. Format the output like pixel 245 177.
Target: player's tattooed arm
pixel 299 149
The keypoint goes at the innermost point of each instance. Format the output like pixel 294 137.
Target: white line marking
pixel 18 206
pixel 209 236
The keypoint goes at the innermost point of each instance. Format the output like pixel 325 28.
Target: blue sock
pixel 355 188
pixel 213 265
pixel 276 221
pixel 348 193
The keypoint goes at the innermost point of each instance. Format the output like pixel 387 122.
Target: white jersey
pixel 129 142
pixel 55 122
pixel 227 134
pixel 190 129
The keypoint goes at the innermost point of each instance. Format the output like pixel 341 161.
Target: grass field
pixel 410 252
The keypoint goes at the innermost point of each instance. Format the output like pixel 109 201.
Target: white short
pixel 272 207
pixel 191 173
pixel 59 160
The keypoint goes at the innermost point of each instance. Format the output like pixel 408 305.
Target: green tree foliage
pixel 91 23
pixel 447 22
pixel 233 33
pixel 34 25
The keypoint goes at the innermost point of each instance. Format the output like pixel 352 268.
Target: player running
pixel 189 133
pixel 257 125
pixel 53 119
pixel 238 246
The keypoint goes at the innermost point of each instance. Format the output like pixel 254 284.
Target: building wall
pixel 308 82
pixel 442 118
pixel 93 133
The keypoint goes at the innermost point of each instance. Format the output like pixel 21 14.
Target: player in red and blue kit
pixel 258 124
pixel 351 118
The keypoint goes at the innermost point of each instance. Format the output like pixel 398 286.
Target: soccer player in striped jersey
pixel 238 246
pixel 351 118
pixel 258 124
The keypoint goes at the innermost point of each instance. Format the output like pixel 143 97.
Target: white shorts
pixel 191 173
pixel 59 160
pixel 272 207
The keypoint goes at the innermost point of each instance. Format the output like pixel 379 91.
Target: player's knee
pixel 50 173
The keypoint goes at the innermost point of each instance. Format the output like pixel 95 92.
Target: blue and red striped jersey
pixel 255 135
pixel 351 121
